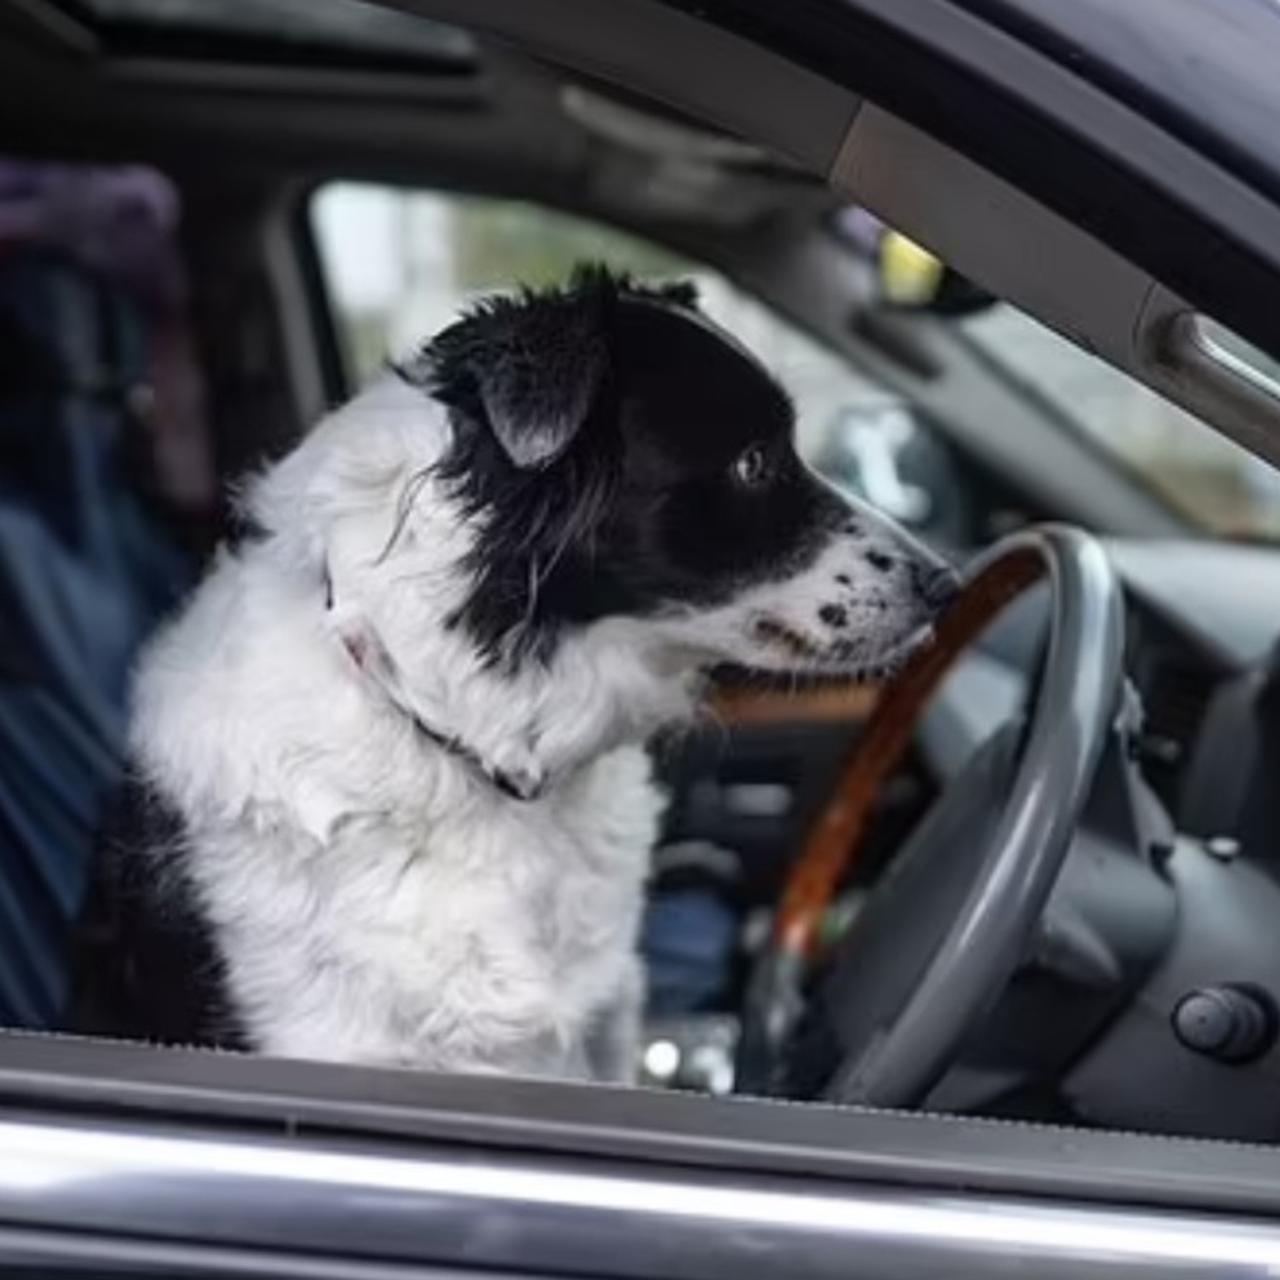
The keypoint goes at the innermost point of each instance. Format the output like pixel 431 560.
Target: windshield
pixel 1219 485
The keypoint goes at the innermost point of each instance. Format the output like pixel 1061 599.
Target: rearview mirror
pixel 906 275
pixel 914 279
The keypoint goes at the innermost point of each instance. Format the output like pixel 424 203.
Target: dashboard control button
pixel 1229 1023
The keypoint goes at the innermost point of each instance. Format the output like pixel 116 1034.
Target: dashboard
pixel 1202 621
pixel 1149 998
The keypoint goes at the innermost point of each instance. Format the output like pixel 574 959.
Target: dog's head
pixel 621 457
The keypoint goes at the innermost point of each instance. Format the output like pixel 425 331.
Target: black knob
pixel 1229 1023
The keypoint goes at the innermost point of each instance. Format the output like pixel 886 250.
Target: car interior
pixel 219 219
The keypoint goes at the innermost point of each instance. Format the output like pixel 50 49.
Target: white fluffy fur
pixel 377 901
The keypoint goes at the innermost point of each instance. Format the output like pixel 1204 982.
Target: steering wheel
pixel 946 925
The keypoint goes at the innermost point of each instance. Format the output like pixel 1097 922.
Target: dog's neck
pixel 527 731
pixel 370 658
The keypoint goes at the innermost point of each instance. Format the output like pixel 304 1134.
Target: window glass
pixel 1220 485
pixel 399 264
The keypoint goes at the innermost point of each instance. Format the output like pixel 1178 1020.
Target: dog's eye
pixel 752 469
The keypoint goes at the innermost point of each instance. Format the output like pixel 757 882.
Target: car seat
pixel 86 569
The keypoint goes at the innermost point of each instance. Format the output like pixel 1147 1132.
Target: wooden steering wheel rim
pixel 835 839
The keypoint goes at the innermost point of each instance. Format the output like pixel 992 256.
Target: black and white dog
pixel 392 803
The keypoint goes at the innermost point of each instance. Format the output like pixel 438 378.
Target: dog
pixel 390 801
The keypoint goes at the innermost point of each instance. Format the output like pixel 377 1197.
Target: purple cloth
pixel 121 222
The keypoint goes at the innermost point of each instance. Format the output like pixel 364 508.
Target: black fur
pixel 617 493
pixel 145 963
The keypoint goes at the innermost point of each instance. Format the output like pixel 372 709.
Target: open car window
pixel 1222 487
pixel 399 264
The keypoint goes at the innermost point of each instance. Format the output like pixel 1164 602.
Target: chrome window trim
pixel 453 1206
pixel 234 1093
pixel 35 1253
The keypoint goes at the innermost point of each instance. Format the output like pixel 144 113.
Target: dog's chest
pixel 452 939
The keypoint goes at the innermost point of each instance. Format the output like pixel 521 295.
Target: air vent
pixel 1175 698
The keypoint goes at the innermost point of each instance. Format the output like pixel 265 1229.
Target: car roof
pixel 1204 69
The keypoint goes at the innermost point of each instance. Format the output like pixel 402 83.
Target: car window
pixel 398 264
pixel 1215 482
pixel 1222 486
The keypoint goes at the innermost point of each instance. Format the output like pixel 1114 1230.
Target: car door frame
pixel 188 1162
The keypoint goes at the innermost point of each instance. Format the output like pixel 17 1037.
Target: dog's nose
pixel 937 586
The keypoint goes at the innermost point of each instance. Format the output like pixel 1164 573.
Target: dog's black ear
pixel 539 383
pixel 529 368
